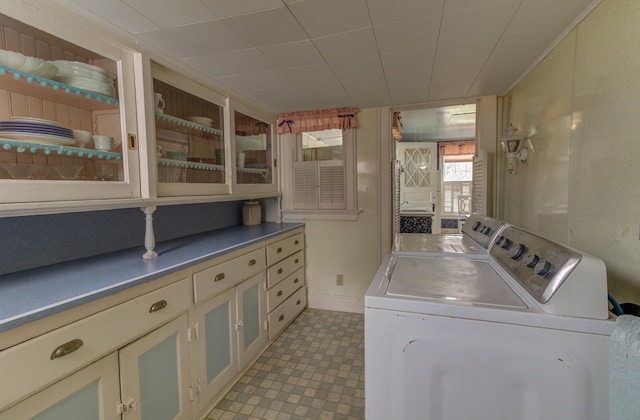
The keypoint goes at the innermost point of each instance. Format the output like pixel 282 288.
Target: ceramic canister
pixel 251 213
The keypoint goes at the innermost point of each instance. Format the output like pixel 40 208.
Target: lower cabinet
pixel 154 373
pixel 92 393
pixel 229 331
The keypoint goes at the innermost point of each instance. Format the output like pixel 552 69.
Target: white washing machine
pixel 522 335
pixel 478 234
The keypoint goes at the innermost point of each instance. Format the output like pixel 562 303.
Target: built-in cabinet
pixel 167 354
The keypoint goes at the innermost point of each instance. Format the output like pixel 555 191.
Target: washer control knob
pixel 476 226
pixel 530 260
pixel 506 244
pixel 499 240
pixel 542 268
pixel 518 251
pixel 486 230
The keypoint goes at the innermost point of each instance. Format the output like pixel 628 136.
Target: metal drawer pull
pixel 66 348
pixel 159 305
pixel 296 261
pixel 279 270
pixel 279 250
pixel 298 302
pixel 296 242
pixel 281 317
pixel 252 262
pixel 295 281
pixel 279 293
pixel 219 277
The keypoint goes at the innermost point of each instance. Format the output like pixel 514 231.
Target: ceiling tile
pixel 231 62
pixel 226 8
pixel 453 5
pixel 353 69
pixel 168 13
pixel 274 78
pixel 408 35
pixel 347 45
pixel 385 11
pixel 546 16
pixel 196 40
pixel 408 75
pixel 293 54
pixel 478 22
pixel 275 26
pixel 327 17
pixel 118 14
pixel 315 74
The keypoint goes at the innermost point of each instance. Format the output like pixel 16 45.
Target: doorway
pixel 435 147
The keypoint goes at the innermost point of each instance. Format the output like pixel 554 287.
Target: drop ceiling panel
pixel 116 14
pixel 347 45
pixel 255 81
pixel 293 54
pixel 328 17
pixel 408 35
pixel 310 75
pixel 195 40
pixel 477 22
pixel 169 13
pixel 385 11
pixel 275 26
pixel 356 68
pixel 226 8
pixel 231 62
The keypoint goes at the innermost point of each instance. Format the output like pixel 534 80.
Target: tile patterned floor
pixel 314 370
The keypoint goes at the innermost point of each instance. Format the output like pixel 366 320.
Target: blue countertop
pixel 30 295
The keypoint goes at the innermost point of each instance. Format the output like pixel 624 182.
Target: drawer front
pixel 287 312
pixel 39 362
pixel 280 292
pixel 220 277
pixel 286 267
pixel 285 247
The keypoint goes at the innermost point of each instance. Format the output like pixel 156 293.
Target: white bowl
pixel 12 59
pixel 103 142
pixel 201 120
pixel 81 137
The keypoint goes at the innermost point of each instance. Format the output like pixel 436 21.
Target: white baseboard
pixel 336 303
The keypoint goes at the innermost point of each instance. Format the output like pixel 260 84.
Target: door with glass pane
pixel 252 311
pixel 89 394
pixel 154 372
pixel 215 359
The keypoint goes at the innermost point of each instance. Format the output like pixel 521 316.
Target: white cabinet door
pixel 252 312
pixel 89 394
pixel 154 372
pixel 214 350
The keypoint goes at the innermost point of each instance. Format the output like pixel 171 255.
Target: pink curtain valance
pixel 326 119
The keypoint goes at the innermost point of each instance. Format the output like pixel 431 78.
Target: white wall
pixel 580 106
pixel 350 248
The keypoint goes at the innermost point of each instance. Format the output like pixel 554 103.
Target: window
pixel 457 179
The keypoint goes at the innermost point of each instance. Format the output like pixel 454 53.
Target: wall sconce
pixel 513 145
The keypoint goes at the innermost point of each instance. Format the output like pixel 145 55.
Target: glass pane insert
pixel 253 150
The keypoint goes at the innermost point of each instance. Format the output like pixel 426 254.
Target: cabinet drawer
pixel 287 312
pixel 283 248
pixel 39 362
pixel 278 294
pixel 220 277
pixel 284 269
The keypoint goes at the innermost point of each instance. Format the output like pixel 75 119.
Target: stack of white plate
pixel 85 76
pixel 36 130
pixel 33 65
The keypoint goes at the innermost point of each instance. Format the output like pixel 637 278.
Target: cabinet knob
pixel 298 302
pixel 279 250
pixel 295 281
pixel 219 277
pixel 279 293
pixel 281 317
pixel 252 262
pixel 159 305
pixel 67 348
pixel 296 242
pixel 279 270
pixel 296 261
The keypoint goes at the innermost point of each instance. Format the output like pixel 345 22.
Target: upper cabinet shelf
pixel 51 90
pixel 50 149
pixel 172 122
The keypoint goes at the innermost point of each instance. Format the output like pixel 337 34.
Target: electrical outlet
pixel 339 280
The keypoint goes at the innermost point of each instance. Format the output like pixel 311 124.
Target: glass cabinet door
pixel 253 153
pixel 190 146
pixel 62 120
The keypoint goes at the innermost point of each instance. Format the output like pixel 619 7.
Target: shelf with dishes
pixel 20 146
pixel 26 83
pixel 167 121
